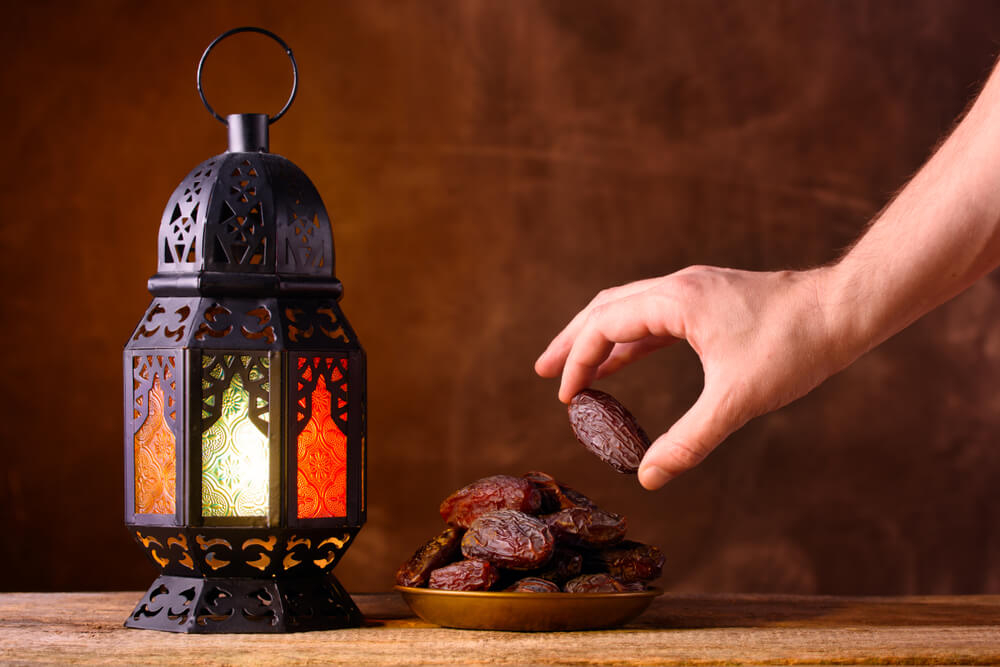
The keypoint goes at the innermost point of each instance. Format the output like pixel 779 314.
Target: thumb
pixel 693 437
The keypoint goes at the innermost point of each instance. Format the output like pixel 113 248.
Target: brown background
pixel 489 166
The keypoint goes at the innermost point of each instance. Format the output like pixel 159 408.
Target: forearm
pixel 940 234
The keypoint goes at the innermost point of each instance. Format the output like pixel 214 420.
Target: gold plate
pixel 526 612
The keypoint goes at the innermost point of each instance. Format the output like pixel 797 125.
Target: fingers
pixel 551 361
pixel 627 320
pixel 693 437
pixel 624 354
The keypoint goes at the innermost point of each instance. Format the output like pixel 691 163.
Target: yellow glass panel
pixel 234 460
pixel 155 459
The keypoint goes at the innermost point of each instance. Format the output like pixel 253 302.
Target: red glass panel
pixel 155 459
pixel 322 460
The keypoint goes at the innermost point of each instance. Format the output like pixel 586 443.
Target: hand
pixel 764 340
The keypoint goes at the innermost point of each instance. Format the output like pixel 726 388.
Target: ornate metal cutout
pixel 223 325
pixel 211 605
pixel 218 370
pixel 246 212
pixel 181 225
pixel 308 322
pixel 334 372
pixel 164 322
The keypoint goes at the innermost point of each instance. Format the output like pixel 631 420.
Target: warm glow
pixel 322 458
pixel 235 462
pixel 155 459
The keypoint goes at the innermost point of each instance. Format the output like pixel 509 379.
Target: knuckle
pixel 681 456
pixel 602 297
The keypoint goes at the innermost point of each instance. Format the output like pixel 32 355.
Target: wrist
pixel 844 311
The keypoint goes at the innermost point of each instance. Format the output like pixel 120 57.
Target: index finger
pixel 626 320
pixel 550 363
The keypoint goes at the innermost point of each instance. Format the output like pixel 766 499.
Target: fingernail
pixel 653 477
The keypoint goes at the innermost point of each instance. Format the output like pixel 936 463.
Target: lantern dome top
pixel 244 220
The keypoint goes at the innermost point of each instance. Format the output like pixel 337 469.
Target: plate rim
pixel 652 591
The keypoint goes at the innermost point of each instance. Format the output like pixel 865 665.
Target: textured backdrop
pixel 489 166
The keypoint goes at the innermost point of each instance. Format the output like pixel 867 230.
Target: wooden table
pixel 677 629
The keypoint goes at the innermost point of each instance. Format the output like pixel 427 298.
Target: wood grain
pixel 86 628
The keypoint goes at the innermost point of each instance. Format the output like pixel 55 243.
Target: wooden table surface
pixel 677 629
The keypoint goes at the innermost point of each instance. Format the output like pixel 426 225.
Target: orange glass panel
pixel 322 461
pixel 155 459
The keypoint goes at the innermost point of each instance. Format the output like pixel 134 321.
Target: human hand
pixel 764 340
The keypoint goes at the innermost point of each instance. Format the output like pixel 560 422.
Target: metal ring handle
pixel 268 33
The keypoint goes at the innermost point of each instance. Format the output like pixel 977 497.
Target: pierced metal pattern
pixel 238 324
pixel 184 218
pixel 235 233
pixel 218 371
pixel 210 605
pixel 315 323
pixel 241 552
pixel 304 236
pixel 165 323
pixel 334 372
pixel 146 369
pixel 248 213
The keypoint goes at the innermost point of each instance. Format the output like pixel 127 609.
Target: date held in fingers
pixel 606 428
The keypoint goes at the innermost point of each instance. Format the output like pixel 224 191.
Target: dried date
pixel 627 561
pixel 555 495
pixel 533 585
pixel 589 527
pixel 563 566
pixel 510 539
pixel 465 575
pixel 437 552
pixel 488 494
pixel 599 583
pixel 608 430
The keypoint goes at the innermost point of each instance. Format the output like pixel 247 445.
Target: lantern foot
pixel 237 605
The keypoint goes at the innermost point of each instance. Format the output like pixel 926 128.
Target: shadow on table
pixel 724 611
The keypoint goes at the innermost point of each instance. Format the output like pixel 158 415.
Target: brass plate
pixel 526 612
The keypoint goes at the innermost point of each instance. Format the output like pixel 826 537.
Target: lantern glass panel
pixel 235 456
pixel 155 445
pixel 322 443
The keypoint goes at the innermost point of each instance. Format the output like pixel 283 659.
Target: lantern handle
pixel 262 31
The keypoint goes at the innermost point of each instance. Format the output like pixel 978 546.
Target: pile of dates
pixel 530 534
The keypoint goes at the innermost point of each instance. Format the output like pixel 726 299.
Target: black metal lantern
pixel 245 401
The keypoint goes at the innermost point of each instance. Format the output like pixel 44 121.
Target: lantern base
pixel 236 605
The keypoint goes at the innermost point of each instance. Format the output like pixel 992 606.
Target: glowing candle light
pixel 235 460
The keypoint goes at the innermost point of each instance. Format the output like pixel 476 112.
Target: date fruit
pixel 608 430
pixel 627 561
pixel 533 585
pixel 436 553
pixel 599 583
pixel 563 566
pixel 488 494
pixel 510 539
pixel 530 534
pixel 588 527
pixel 465 575
pixel 556 495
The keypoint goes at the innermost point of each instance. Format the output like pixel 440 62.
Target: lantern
pixel 245 401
